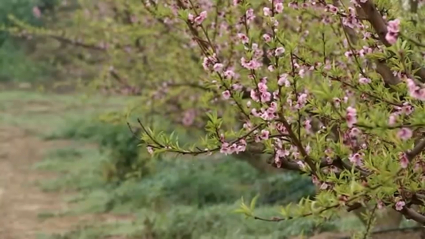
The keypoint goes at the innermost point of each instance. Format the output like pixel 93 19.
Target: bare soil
pixel 21 200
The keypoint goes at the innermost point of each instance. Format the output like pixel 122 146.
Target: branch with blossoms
pixel 330 117
pixel 116 40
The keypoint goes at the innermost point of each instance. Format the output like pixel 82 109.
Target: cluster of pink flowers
pixel 198 20
pixel 261 93
pixel 209 62
pixel 414 90
pixel 255 62
pixel 404 110
pixel 237 147
pixel 393 28
pixel 278 86
pixel 266 114
pixel 282 154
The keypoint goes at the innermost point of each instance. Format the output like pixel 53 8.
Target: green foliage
pixel 16 66
pixel 198 184
pixel 215 222
pixel 121 146
pixel 182 199
pixel 19 8
pixel 218 222
pixel 15 60
pixel 186 182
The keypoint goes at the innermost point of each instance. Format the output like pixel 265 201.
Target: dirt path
pixel 21 201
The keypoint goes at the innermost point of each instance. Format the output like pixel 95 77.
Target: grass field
pixel 56 183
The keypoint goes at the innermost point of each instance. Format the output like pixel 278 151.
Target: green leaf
pixel 253 202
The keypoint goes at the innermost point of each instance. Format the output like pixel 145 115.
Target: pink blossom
pixel 199 19
pixel 331 8
pixel 400 205
pixel 356 159
pixel 405 133
pixel 264 134
pixel 279 51
pixel 266 96
pixel 270 68
pixel 414 90
pixel 404 160
pixel 190 17
pixel 324 186
pixel 229 74
pixel 247 125
pixel 189 117
pixel 337 102
pixel 225 148
pixel 392 119
pixel 218 67
pixel 407 108
pixel 150 150
pixel 307 126
pixel 226 95
pixel 302 100
pixel 348 54
pixel 266 11
pixel 351 116
pixel 391 37
pixel 364 80
pixel 209 62
pixel 278 7
pixel 393 29
pixel 250 65
pixel 354 132
pixel 267 38
pixel 254 96
pixel 394 25
pixel 243 38
pixel 36 12
pixel 262 87
pixel 250 15
pixel 241 147
pixel 283 80
pixel 237 87
pixel 273 107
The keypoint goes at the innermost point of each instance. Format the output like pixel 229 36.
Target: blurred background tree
pixel 15 53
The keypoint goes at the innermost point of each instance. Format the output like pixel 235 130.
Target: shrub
pixel 116 141
pixel 220 222
pixel 15 60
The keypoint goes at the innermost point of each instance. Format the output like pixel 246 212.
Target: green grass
pixel 43 113
pixel 72 164
pixel 169 200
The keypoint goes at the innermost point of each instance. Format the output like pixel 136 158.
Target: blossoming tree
pixel 331 89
